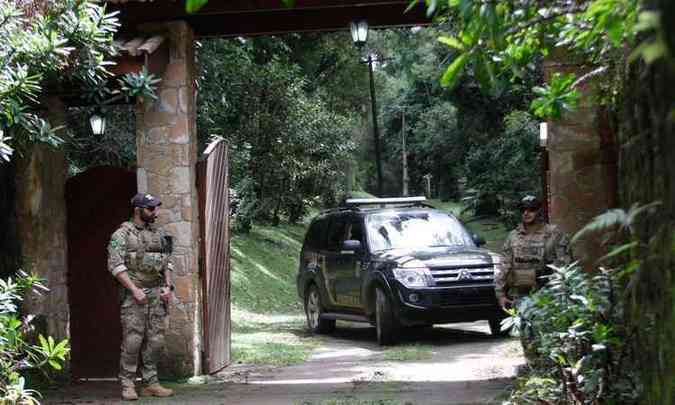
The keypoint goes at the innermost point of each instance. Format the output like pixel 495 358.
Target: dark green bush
pixel 506 168
pixel 582 351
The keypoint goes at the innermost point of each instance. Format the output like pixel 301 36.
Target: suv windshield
pixel 393 230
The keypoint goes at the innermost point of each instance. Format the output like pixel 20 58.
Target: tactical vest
pixel 530 253
pixel 145 256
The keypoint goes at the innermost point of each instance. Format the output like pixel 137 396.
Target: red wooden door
pixel 212 174
pixel 97 202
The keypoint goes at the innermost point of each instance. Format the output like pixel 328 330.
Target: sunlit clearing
pixel 257 265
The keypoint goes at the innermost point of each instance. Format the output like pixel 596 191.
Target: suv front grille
pixel 462 275
pixel 463 297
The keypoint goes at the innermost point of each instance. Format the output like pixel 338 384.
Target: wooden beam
pixel 269 17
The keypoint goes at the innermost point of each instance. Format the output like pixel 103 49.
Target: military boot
pixel 129 393
pixel 156 390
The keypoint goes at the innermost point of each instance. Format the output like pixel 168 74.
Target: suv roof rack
pixel 383 202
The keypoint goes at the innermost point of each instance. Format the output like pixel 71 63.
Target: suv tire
pixel 313 311
pixel 385 322
pixel 496 328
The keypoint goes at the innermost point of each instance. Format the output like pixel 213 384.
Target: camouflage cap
pixel 531 202
pixel 144 200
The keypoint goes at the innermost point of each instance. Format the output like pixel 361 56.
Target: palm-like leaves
pixel 16 353
pixel 575 325
pixel 615 221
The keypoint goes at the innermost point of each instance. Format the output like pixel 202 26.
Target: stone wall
pixel 41 217
pixel 582 182
pixel 167 154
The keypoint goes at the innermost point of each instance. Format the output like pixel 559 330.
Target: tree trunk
pixel 646 174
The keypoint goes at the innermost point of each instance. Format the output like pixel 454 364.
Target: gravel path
pixel 466 366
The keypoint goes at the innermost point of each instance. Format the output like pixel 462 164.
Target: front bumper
pixel 467 303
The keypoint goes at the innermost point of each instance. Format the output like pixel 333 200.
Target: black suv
pixel 395 262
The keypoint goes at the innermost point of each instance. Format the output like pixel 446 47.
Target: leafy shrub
pixel 247 206
pixel 17 353
pixel 578 321
pixel 578 335
pixel 506 168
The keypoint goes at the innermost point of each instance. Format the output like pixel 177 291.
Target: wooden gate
pixel 97 202
pixel 214 264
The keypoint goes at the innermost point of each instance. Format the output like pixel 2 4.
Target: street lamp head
pixel 359 31
pixel 97 122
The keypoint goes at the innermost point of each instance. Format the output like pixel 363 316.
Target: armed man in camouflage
pixel 139 257
pixel 528 250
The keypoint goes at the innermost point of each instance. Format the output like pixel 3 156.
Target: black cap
pixel 144 200
pixel 531 202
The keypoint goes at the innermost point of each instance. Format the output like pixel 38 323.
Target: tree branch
pixel 527 24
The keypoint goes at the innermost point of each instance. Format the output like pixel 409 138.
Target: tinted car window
pixel 354 230
pixel 336 233
pixel 415 229
pixel 315 236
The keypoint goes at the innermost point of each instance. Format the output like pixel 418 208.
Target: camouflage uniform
pixel 144 253
pixel 526 256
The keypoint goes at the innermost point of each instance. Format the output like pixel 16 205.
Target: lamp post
pixel 359 30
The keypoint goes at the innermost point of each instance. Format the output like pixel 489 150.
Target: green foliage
pixel 555 97
pixel 17 353
pixel 575 324
pixel 141 84
pixel 60 43
pixel 49 46
pixel 504 167
pixel 654 46
pixel 288 145
pixel 441 127
pixel 502 40
pixel 617 230
pixel 578 320
pixel 192 6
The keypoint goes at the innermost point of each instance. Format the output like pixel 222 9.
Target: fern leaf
pixel 617 251
pixel 602 223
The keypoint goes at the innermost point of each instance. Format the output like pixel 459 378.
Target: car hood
pixel 438 257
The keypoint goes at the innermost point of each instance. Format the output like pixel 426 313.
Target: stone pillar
pixel 41 216
pixel 581 163
pixel 167 153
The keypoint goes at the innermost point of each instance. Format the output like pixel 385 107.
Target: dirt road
pixel 461 364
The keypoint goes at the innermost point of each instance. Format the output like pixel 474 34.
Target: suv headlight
pixel 412 278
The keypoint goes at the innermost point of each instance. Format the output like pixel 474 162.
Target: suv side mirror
pixel 478 240
pixel 351 246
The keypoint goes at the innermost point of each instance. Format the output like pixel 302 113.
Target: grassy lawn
pixel 267 317
pixel 408 352
pixel 270 339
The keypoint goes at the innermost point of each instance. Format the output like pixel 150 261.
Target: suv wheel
pixel 313 311
pixel 496 328
pixel 384 319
